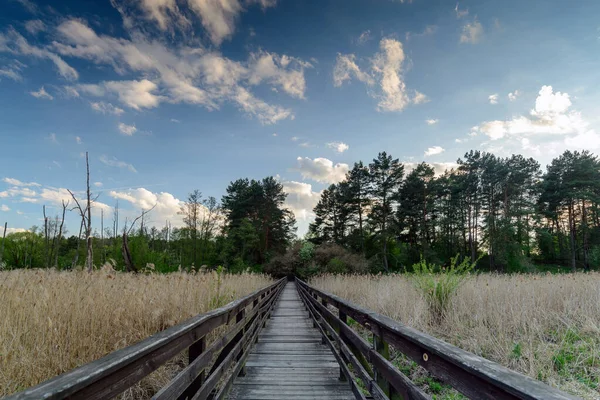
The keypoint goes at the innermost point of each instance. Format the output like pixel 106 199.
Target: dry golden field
pixel 545 326
pixel 51 322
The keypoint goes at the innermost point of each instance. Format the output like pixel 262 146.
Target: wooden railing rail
pixel 111 375
pixel 473 376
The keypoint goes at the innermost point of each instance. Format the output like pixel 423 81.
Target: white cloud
pixel 12 70
pixel 166 206
pixel 364 37
pixel 16 182
pixel 388 65
pixel 175 120
pixel 106 108
pixel 14 43
pixel 301 199
pixel 345 69
pixel 272 68
pixel 512 96
pixel 294 138
pixel 127 130
pixel 438 167
pixel 431 151
pixel 493 98
pixel 472 32
pixel 431 121
pixel 4 208
pixel 18 191
pixel 188 74
pixel 321 170
pixel 78 140
pixel 386 71
pixel 98 184
pixel 340 147
pixel 42 94
pixel 52 137
pixel 550 127
pixel 10 230
pixel 113 162
pixel 275 135
pixel 35 26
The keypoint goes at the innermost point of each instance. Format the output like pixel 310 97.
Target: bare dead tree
pixel 60 231
pixel 76 258
pixel 129 264
pixel 46 239
pixel 3 239
pixel 86 217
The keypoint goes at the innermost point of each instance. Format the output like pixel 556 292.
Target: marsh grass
pixel 545 326
pixel 52 322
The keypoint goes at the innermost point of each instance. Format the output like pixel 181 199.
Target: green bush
pixel 439 284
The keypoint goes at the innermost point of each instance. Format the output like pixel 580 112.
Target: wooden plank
pixel 288 362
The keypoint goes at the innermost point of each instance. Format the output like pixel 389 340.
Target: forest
pixel 507 214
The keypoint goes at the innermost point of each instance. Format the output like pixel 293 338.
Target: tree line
pixel 505 213
pixel 241 232
pixel 505 208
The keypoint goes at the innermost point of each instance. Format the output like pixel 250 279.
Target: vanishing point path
pixel 289 361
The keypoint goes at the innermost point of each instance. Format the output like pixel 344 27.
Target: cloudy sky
pixel 172 95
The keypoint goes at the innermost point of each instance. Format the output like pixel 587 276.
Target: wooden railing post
pixel 344 320
pixel 324 303
pixel 383 348
pixel 194 351
pixel 240 316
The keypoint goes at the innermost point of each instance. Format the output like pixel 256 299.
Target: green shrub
pixel 439 284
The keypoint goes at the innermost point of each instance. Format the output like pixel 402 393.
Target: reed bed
pixel 545 326
pixel 52 322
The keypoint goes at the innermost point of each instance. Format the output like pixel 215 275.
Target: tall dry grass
pixel 545 326
pixel 51 322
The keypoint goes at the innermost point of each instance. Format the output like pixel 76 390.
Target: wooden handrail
pixel 473 376
pixel 118 371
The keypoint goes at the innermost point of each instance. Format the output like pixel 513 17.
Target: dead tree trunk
pixel 3 239
pixel 60 231
pixel 129 265
pixel 86 217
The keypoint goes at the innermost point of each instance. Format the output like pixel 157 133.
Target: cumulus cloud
pixel 127 130
pixel 321 169
pixel 431 151
pixel 460 13
pixel 512 96
pixel 98 184
pixel 113 162
pixel 438 167
pixel 340 147
pixel 4 208
pixel 166 206
pixel 42 94
pixel 493 98
pixel 472 32
pixel 182 74
pixel 384 76
pixel 428 31
pixel 431 121
pixel 301 199
pixel 106 108
pixel 78 140
pixel 550 127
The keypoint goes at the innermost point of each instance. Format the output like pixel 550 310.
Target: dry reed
pixel 51 322
pixel 545 326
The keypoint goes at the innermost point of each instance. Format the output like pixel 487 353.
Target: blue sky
pixel 172 95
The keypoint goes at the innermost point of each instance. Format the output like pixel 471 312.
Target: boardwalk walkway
pixel 289 361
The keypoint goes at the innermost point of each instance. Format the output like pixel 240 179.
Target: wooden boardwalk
pixel 289 361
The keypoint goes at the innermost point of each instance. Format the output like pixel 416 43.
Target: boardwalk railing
pixel 473 376
pixel 209 373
